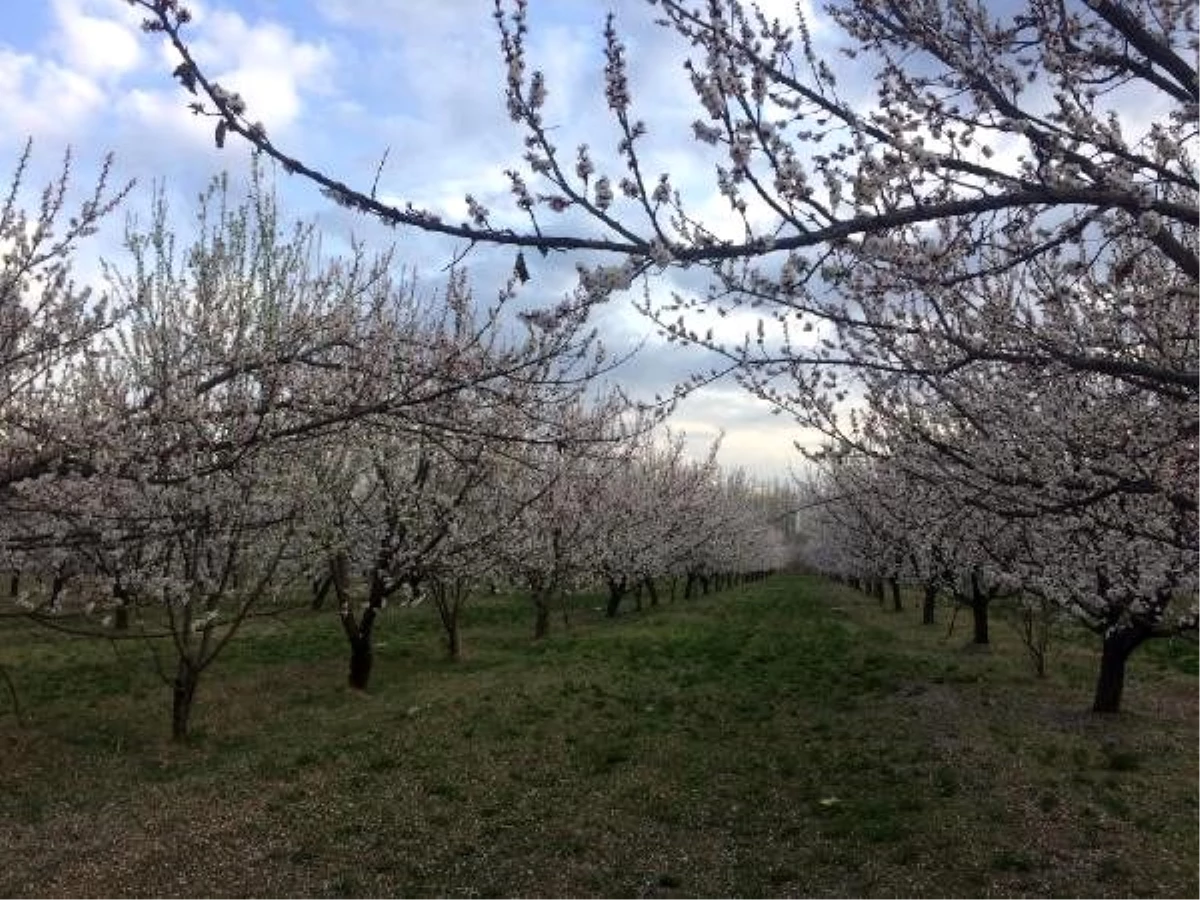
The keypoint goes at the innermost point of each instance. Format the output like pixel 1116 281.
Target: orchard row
pixel 232 419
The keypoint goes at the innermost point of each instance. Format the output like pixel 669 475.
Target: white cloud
pixel 265 63
pixel 162 114
pixel 754 440
pixel 39 97
pixel 97 46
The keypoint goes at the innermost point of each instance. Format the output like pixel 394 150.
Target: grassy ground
pixel 785 739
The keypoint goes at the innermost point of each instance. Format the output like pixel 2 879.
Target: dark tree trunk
pixel 979 612
pixel 56 588
pixel 183 695
pixel 616 590
pixel 362 658
pixel 454 645
pixel 541 616
pixel 124 603
pixel 1110 684
pixel 449 599
pixel 652 590
pixel 14 584
pixel 897 604
pixel 979 619
pixel 929 603
pixel 359 632
pixel 320 588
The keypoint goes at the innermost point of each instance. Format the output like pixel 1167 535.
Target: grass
pixel 779 740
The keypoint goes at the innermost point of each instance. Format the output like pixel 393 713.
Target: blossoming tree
pixel 1000 208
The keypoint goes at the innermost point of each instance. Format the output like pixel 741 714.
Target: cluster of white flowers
pixel 477 211
pixel 660 253
pixel 708 134
pixel 604 193
pixel 537 91
pixel 709 91
pixel 662 190
pixel 230 100
pixel 597 283
pixel 740 149
pixel 583 166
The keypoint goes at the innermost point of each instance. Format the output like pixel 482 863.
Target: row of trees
pixel 235 417
pixel 1070 492
pixel 969 236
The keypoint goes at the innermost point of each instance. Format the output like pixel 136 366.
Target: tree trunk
pixel 1110 684
pixel 183 694
pixel 541 619
pixel 979 611
pixel 358 632
pixel 320 589
pixel 897 604
pixel 615 592
pixel 362 658
pixel 362 652
pixel 122 613
pixel 652 590
pixel 454 646
pixel 56 588
pixel 612 606
pixel 979 618
pixel 929 604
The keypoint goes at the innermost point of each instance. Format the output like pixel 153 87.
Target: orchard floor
pixel 786 738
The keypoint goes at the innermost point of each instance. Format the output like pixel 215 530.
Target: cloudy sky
pixel 340 83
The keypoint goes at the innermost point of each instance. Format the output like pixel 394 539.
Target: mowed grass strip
pixel 788 738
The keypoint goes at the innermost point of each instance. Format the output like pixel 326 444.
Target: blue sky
pixel 341 82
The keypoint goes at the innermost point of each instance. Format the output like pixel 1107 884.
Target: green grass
pixel 785 739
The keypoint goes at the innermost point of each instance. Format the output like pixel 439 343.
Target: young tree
pixel 467 401
pixel 174 494
pixel 551 548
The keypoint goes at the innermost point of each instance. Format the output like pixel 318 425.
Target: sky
pixel 341 83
